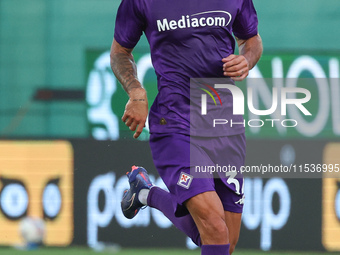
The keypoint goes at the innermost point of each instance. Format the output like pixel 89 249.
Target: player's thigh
pixel 208 213
pixel 233 221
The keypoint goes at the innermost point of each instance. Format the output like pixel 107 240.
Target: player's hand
pixel 236 67
pixel 136 111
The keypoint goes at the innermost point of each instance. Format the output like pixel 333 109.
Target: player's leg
pixel 206 208
pixel 229 151
pixel 208 213
pixel 162 200
pixel 233 221
pixel 233 207
pixel 142 192
pixel 171 154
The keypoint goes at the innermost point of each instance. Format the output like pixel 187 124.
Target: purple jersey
pixel 188 39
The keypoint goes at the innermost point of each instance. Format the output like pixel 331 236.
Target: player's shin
pixel 161 200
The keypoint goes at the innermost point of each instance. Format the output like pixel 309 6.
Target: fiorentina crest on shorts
pixel 185 180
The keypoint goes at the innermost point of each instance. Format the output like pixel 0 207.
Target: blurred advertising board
pixel 283 211
pixel 36 179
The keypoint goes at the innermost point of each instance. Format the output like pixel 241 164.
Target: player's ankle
pixel 143 196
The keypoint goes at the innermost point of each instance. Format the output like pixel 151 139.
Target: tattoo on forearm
pixel 124 67
pixel 140 100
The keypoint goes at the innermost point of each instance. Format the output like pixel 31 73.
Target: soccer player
pixel 188 39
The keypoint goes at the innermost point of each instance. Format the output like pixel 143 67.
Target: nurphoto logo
pixel 239 102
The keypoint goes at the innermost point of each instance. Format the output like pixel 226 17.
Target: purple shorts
pixel 193 165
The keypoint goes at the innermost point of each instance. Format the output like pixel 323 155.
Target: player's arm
pixel 124 67
pixel 237 66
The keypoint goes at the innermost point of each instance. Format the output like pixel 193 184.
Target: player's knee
pixel 215 226
pixel 220 228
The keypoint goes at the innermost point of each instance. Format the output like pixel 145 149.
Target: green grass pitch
pixel 86 251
